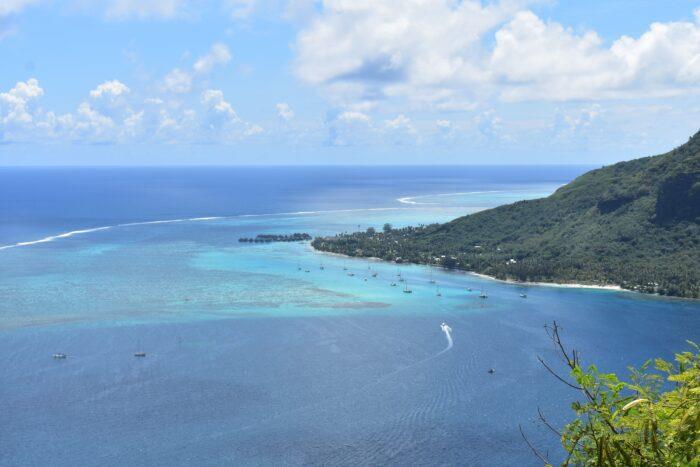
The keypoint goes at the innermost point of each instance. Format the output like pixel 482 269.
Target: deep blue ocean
pixel 272 354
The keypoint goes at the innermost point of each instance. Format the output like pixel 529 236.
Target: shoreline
pixel 572 285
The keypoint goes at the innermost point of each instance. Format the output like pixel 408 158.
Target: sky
pixel 344 82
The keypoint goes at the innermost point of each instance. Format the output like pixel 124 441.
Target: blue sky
pixel 149 82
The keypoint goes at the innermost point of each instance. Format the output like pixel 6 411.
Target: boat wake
pixel 72 233
pixel 448 335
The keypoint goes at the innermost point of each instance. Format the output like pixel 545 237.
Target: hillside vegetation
pixel 635 224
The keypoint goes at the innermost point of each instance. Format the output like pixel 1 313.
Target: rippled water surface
pixel 269 354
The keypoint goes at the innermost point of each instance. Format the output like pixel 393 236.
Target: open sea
pixel 268 354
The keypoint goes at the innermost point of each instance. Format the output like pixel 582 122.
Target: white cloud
pixel 213 100
pixel 284 111
pixel 221 122
pixel 144 9
pixel 239 9
pixel 378 49
pixel 8 7
pixel 16 104
pixel 350 116
pixel 90 125
pixel 112 115
pixel 112 88
pixel 400 122
pixel 452 55
pixel 538 60
pixel 219 54
pixel 443 124
pixel 179 81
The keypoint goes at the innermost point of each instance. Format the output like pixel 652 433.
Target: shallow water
pixel 253 360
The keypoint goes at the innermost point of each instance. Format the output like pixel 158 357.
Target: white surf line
pixel 189 219
pixel 410 199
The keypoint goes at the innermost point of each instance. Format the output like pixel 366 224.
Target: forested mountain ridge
pixel 635 224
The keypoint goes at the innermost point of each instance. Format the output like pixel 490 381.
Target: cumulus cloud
pixel 17 109
pixel 284 111
pixel 143 9
pixel 350 116
pixel 8 7
pixel 219 54
pixel 221 120
pixel 112 88
pixel 179 81
pixel 110 114
pixel 379 49
pixel 539 60
pixel 240 8
pixel 400 122
pixel 450 54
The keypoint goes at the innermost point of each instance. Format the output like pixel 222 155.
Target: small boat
pixel 492 371
pixel 469 289
pixel 523 295
pixel 59 356
pixel 351 274
pixel 402 280
pixel 321 267
pixel 393 284
pixel 365 279
pixel 374 274
pixel 139 354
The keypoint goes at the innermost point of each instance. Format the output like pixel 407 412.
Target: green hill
pixel 635 224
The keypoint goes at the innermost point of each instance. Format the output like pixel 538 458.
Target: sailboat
pixel 432 281
pixel 406 289
pixel 483 295
pixel 439 294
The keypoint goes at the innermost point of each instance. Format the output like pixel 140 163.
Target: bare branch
pixel 546 423
pixel 535 451
pixel 578 388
